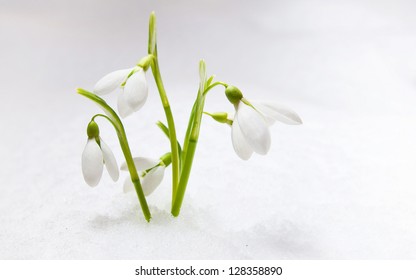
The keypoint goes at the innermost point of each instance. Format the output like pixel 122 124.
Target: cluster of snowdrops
pixel 249 125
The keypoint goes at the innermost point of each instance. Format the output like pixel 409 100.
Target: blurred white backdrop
pixel 342 186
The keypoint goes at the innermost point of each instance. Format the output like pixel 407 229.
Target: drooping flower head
pixel 96 154
pixel 249 129
pixel 151 172
pixel 134 88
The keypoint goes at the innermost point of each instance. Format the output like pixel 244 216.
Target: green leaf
pixel 165 130
pixel 103 105
pixel 209 81
pixel 163 127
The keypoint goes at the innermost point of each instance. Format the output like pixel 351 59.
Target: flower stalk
pixel 152 49
pixel 113 118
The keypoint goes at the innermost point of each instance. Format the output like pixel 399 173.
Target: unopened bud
pixel 221 117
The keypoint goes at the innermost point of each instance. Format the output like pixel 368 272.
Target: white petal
pixel 136 89
pixel 92 163
pixel 111 81
pixel 128 185
pixel 141 163
pixel 277 112
pixel 109 161
pixel 254 128
pixel 123 107
pixel 241 147
pixel 152 179
pixel 269 120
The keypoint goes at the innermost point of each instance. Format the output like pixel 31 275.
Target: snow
pixel 341 186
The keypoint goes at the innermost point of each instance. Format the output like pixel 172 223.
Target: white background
pixel 341 186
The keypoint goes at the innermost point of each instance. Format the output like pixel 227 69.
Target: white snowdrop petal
pixel 111 81
pixel 141 163
pixel 128 185
pixel 123 107
pixel 136 90
pixel 254 128
pixel 277 112
pixel 109 161
pixel 241 147
pixel 269 120
pixel 92 163
pixel 152 179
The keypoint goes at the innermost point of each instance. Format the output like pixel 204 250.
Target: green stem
pixel 107 118
pixel 176 207
pixel 133 175
pixel 214 85
pixel 122 137
pixel 171 124
pixel 189 147
pixel 188 134
pixel 189 153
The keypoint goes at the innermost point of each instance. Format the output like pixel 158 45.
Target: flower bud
pixel 92 130
pixel 233 94
pixel 220 117
pixel 152 33
pixel 202 76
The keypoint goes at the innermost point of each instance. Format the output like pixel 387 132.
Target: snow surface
pixel 342 186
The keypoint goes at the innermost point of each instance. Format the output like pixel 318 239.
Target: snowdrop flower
pixel 96 154
pixel 151 172
pixel 249 129
pixel 134 85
